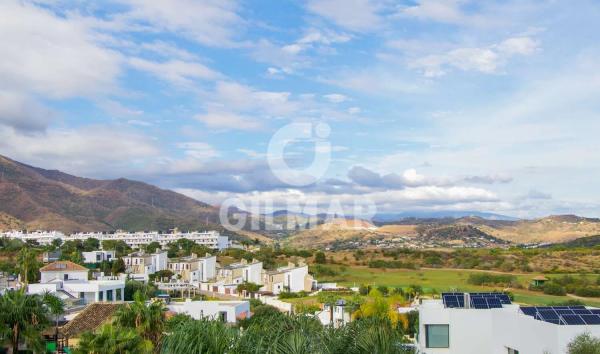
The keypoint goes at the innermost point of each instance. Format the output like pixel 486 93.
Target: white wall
pixel 294 278
pixel 211 309
pixel 60 275
pixel 476 331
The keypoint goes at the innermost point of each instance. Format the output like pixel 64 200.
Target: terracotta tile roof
pixel 92 317
pixel 62 266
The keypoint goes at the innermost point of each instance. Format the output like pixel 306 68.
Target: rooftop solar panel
pixel 582 311
pixel 494 303
pixel 595 311
pixel 573 320
pixel 591 319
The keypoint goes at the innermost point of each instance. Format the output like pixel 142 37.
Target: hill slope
pixel 40 199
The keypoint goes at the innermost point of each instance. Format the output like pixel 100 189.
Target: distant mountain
pixel 35 198
pixel 390 217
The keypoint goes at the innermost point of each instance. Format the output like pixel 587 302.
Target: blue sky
pixel 431 104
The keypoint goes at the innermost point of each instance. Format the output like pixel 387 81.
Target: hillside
pixel 35 198
pixel 552 229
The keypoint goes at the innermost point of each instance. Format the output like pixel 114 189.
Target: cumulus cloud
pixel 51 55
pixel 336 98
pixel 483 59
pixel 23 113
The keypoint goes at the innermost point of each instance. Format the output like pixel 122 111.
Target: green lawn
pixel 441 280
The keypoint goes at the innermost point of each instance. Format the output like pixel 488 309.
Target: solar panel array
pixel 563 315
pixel 477 300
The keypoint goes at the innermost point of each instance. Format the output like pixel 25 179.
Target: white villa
pixel 193 269
pixel 475 323
pixel 70 280
pixel 226 311
pixel 98 256
pixel 290 278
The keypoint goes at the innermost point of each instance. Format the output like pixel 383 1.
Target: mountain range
pixel 33 198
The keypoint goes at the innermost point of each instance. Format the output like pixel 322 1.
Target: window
pixel 437 336
pixel 65 276
pixel 512 351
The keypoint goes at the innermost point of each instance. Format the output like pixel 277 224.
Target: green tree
pixel 55 306
pixel 91 244
pixel 28 265
pixel 320 258
pixel 25 317
pixel 152 247
pixel 584 344
pixel 118 266
pixel 112 340
pixel 148 320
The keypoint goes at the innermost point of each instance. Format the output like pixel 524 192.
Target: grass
pixel 443 280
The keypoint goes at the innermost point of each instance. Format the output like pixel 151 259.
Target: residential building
pixel 226 311
pixel 241 272
pixel 291 278
pixel 90 319
pixel 210 239
pixel 141 265
pixel 70 281
pixel 98 256
pixel 193 269
pixel 43 238
pixel 475 323
pixel 63 270
pixel 51 256
pixel 334 315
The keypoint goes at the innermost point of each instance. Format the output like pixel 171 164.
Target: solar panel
pixel 479 303
pixel 595 311
pixel 546 315
pixel 591 319
pixel 529 311
pixel 494 303
pixel 564 311
pixel 504 299
pixel 582 311
pixel 573 320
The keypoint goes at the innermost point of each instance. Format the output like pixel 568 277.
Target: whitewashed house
pixel 335 315
pixel 291 278
pixel 193 269
pixel 140 266
pixel 70 281
pixel 225 311
pixel 476 323
pixel 98 256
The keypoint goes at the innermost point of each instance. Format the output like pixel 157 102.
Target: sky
pixel 420 105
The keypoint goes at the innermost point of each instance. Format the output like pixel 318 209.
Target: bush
pixel 491 279
pixel 552 288
pixel 380 263
pixel 584 344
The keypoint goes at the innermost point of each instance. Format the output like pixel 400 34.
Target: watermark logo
pixel 302 210
pixel 298 132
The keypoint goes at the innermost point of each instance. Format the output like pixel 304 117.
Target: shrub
pixel 491 279
pixel 552 288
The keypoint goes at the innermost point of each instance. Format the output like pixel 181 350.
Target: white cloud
pixel 235 96
pixel 354 15
pixel 198 150
pixel 437 10
pixel 483 59
pixel 23 113
pixel 228 120
pixel 177 72
pixel 336 98
pixel 81 151
pixel 210 22
pixel 51 55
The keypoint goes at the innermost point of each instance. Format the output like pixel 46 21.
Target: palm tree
pixel 56 307
pixel 201 336
pixel 113 340
pixel 25 316
pixel 148 320
pixel 28 265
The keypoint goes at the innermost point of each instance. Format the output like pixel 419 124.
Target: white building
pixel 479 323
pixel 98 256
pixel 210 239
pixel 141 265
pixel 226 311
pixel 335 315
pixel 193 269
pixel 69 280
pixel 43 238
pixel 291 278
pixel 241 272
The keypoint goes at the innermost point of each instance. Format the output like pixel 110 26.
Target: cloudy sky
pixel 430 104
